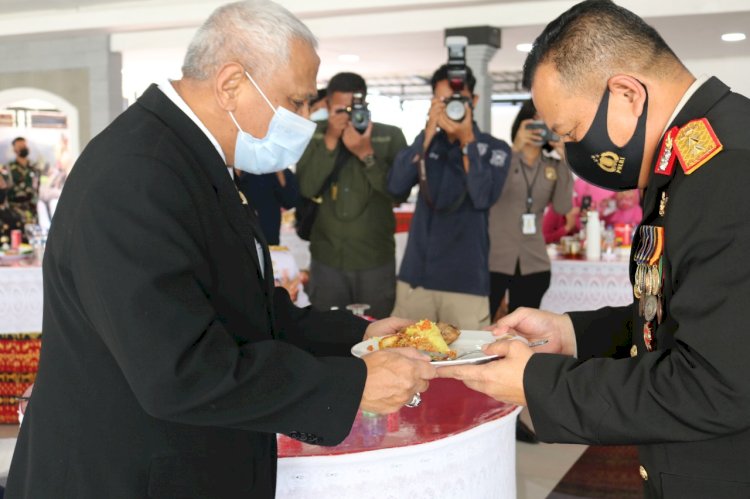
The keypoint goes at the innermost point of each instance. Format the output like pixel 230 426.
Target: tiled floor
pixel 538 467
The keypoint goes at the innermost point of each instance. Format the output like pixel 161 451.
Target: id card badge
pixel 528 224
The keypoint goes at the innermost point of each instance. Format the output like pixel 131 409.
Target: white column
pixel 478 59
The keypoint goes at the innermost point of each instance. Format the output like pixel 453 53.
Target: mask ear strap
pixel 260 91
pixel 235 121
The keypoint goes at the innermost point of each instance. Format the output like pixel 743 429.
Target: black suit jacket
pixel 168 362
pixel 688 402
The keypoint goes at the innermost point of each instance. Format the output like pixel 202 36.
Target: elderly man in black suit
pixel 676 378
pixel 169 361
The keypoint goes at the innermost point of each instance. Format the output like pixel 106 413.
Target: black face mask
pixel 598 161
pixel 23 152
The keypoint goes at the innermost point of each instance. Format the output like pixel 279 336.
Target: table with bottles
pixel 578 284
pixel 456 444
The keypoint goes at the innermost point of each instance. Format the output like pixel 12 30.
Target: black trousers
pixel 524 290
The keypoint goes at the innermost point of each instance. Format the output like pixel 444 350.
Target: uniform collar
pixel 685 98
pixel 698 100
pixel 169 90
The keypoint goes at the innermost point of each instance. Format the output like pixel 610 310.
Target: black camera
pixel 455 106
pixel 359 113
pixel 545 134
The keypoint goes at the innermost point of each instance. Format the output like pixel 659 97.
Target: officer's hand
pixel 463 130
pixel 386 327
pixel 338 119
pixel 393 377
pixel 501 379
pixel 525 137
pixel 536 325
pixel 359 144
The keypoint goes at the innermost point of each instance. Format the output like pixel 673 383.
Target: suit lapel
pixel 243 222
pixel 697 106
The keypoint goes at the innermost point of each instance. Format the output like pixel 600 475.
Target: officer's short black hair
pixel 322 92
pixel 597 37
pixel 17 139
pixel 442 74
pixel 527 112
pixel 346 82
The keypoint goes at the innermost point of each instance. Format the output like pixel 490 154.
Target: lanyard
pixel 529 187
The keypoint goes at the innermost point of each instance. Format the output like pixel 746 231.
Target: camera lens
pixel 455 110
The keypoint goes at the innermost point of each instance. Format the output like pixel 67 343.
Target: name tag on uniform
pixel 528 224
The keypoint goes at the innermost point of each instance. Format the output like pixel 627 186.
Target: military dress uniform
pixel 680 387
pixel 10 220
pixel 24 190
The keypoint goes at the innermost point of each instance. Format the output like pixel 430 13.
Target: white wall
pixel 734 71
pixel 78 68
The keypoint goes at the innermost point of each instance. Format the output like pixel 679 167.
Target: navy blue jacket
pixel 267 196
pixel 448 248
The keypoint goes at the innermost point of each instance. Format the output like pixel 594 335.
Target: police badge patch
pixel 482 148
pixel 498 157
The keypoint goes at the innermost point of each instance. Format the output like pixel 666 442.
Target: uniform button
pixel 634 351
pixel 643 472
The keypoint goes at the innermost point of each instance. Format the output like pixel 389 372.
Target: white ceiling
pixel 391 38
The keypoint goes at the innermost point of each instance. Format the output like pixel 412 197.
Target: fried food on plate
pixel 424 335
pixel 449 332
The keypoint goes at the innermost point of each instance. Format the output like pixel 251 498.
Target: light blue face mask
pixel 286 140
pixel 320 115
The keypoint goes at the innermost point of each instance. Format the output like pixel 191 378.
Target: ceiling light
pixel 733 37
pixel 349 58
pixel 524 47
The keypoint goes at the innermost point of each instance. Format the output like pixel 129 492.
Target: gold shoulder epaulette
pixel 695 144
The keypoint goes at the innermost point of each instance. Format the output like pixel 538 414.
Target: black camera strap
pixel 341 158
pixel 424 191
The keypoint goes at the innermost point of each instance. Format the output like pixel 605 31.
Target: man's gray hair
pixel 254 33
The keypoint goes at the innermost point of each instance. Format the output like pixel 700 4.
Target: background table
pixel 585 285
pixel 456 444
pixel 21 295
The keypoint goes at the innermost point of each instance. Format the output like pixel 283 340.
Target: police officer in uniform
pixel 668 373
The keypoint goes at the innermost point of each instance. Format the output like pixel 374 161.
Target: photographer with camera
pixel 461 172
pixel 345 167
pixel 519 262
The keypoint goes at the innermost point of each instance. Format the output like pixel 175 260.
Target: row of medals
pixel 648 279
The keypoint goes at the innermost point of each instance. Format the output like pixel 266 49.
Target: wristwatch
pixel 369 160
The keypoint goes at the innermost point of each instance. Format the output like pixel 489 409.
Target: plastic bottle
pixel 593 237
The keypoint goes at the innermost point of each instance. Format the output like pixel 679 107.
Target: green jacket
pixel 354 231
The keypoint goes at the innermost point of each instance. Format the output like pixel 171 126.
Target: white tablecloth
pixel 583 285
pixel 478 463
pixel 21 296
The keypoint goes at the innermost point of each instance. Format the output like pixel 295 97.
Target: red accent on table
pixel 403 220
pixel 447 408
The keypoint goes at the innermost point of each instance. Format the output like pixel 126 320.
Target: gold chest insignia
pixel 695 144
pixel 550 174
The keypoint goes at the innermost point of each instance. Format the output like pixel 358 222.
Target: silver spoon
pixel 441 356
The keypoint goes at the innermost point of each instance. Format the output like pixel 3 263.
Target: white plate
pixel 469 341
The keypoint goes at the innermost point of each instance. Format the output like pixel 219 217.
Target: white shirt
pixel 169 90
